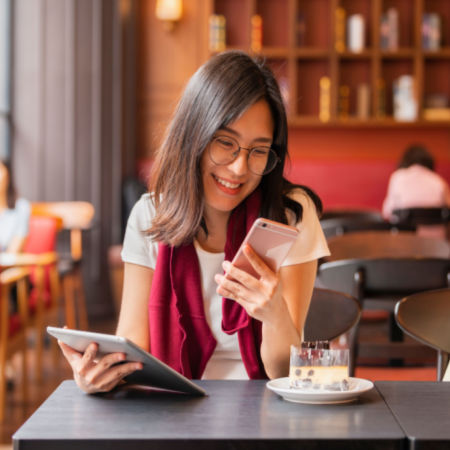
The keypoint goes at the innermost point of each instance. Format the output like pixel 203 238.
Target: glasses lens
pixel 223 150
pixel 262 160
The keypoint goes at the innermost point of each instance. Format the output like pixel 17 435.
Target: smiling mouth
pixel 226 184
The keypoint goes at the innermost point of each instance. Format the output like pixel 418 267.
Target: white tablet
pixel 154 373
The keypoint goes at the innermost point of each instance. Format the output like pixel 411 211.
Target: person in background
pixel 14 222
pixel 219 168
pixel 415 184
pixel 14 213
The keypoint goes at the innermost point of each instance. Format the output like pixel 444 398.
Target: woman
pixel 14 213
pixel 219 167
pixel 415 184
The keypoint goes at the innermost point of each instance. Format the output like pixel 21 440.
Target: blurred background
pixel 88 86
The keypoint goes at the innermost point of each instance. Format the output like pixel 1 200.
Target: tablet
pixel 154 373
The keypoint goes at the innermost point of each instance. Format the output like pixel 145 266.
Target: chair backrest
pixel 356 214
pixel 421 216
pixel 385 244
pixel 426 317
pixel 341 226
pixel 330 314
pixel 385 276
pixel 74 215
pixel 42 234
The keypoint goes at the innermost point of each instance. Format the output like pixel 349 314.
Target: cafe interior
pixel 88 88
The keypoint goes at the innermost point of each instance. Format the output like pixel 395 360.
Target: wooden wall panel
pixel 166 60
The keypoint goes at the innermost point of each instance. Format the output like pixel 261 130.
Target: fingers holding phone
pixel 252 278
pixel 260 297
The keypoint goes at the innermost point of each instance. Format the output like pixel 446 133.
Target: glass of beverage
pixel 314 366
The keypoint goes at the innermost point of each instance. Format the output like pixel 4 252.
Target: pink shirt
pixel 415 187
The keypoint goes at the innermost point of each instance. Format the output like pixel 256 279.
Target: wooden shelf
pixel 365 54
pixel 352 122
pixel 398 54
pixel 298 40
pixel 444 53
pixel 311 53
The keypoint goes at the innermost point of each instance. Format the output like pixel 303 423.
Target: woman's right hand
pixel 97 375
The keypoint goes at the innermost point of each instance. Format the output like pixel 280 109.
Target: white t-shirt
pixel 14 222
pixel 139 248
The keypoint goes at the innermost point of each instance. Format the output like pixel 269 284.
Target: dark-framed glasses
pixel 224 150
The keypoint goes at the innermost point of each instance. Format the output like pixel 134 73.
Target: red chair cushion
pixel 41 238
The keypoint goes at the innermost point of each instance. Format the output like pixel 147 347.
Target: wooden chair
pixel 116 270
pixel 76 217
pixel 339 222
pixel 341 226
pixel 356 214
pixel 385 244
pixel 426 317
pixel 45 293
pixel 13 328
pixel 378 283
pixel 423 218
pixel 330 315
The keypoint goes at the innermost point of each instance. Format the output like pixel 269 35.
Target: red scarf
pixel 179 333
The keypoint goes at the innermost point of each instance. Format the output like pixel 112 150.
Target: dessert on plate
pixel 314 366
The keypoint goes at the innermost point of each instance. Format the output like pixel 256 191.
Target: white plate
pixel 357 387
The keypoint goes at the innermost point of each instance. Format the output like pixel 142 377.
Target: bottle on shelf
pixel 389 30
pixel 256 33
pixel 363 101
pixel 217 38
pixel 325 99
pixel 339 42
pixel 405 102
pixel 431 31
pixel 356 33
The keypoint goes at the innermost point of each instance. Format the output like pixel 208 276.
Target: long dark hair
pixel 11 193
pixel 216 95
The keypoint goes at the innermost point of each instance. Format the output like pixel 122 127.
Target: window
pixel 5 78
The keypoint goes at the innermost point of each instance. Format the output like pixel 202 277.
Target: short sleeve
pixel 138 246
pixel 311 243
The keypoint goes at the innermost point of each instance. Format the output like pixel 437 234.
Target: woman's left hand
pixel 261 298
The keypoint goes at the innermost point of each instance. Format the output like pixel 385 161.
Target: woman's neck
pixel 216 224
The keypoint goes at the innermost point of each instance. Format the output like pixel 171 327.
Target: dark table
pixel 422 409
pixel 236 414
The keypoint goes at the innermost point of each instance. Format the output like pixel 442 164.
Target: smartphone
pixel 270 240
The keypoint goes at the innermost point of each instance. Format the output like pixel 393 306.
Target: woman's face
pixel 227 186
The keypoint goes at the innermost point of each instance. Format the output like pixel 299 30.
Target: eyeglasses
pixel 224 150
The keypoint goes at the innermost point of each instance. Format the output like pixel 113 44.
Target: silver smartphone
pixel 270 240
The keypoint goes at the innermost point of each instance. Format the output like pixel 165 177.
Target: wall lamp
pixel 170 12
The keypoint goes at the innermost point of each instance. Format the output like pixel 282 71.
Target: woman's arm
pixel 297 283
pixel 133 318
pixel 279 300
